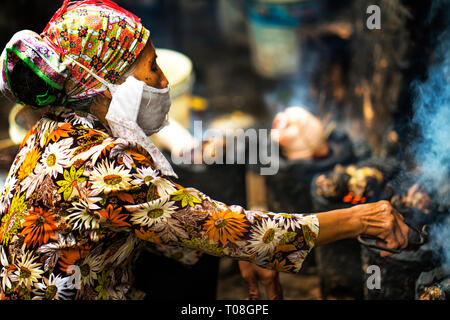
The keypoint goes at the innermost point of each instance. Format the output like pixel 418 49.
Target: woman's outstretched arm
pixel 377 219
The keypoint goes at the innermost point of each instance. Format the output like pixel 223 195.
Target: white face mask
pixel 137 102
pixel 147 106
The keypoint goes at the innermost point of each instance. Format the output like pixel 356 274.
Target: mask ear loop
pixel 109 85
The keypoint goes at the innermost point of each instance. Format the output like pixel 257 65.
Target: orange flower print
pixel 114 217
pixel 3 296
pixel 280 266
pixel 31 132
pixel 72 256
pixel 29 163
pixel 148 235
pixel 39 226
pixel 225 226
pixel 60 132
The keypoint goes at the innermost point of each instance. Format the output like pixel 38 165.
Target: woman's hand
pixel 377 219
pixel 252 275
pixel 381 220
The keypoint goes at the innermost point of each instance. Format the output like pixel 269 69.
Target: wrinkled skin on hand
pixel 253 275
pixel 387 224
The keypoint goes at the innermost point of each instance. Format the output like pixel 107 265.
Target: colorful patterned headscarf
pixel 100 35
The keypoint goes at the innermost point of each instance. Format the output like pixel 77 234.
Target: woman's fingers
pixel 271 282
pixel 253 290
pixel 395 233
pixel 253 274
pixel 402 231
pixel 385 254
pixel 250 277
pixel 397 229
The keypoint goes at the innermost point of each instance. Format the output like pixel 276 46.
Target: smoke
pixel 296 89
pixel 432 114
pixel 432 120
pixel 439 241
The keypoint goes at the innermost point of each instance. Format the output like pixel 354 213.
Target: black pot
pixel 399 273
pixel 289 189
pixel 339 263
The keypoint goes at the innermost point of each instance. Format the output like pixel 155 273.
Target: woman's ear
pixel 107 94
pixel 100 106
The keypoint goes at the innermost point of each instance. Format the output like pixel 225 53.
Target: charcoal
pixel 438 278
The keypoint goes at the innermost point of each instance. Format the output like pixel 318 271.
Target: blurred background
pixel 238 64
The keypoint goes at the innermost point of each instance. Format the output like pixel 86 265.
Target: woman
pixel 88 190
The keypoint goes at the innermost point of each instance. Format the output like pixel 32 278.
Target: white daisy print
pixel 52 250
pixel 57 157
pixel 264 238
pixel 33 180
pixel 47 126
pixel 28 271
pixel 144 176
pixel 312 222
pixel 288 221
pixel 252 215
pixel 149 176
pixel 124 251
pixel 84 119
pixel 52 288
pixel 90 267
pixel 7 193
pixel 7 272
pixel 152 213
pixel 297 258
pixel 106 178
pixel 82 215
pixel 90 199
pixel 164 186
pixel 120 150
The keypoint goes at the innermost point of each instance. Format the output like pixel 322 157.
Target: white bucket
pixel 16 132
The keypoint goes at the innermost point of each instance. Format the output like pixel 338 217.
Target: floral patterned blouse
pixel 79 205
